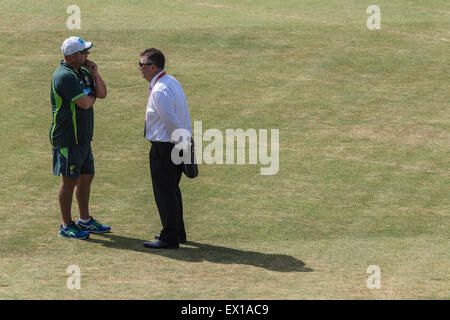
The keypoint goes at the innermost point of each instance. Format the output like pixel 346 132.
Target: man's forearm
pixel 85 102
pixel 100 86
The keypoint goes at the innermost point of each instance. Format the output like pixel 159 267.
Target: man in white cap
pixel 75 86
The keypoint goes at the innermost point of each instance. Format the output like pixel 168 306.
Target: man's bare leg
pixel 83 192
pixel 65 196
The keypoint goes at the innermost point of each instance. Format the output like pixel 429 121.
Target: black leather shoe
pixel 157 237
pixel 159 244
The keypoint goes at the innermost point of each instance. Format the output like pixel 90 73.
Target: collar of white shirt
pixel 152 83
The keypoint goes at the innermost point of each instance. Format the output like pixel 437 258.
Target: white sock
pixel 85 221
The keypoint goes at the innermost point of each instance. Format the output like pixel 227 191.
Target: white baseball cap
pixel 74 44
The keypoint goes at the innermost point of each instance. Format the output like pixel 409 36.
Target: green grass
pixel 364 148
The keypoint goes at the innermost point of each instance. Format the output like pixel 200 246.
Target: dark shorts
pixel 73 161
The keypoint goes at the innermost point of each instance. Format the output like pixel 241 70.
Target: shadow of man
pixel 198 252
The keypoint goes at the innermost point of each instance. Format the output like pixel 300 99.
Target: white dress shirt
pixel 167 109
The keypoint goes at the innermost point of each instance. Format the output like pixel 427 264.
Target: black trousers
pixel 166 178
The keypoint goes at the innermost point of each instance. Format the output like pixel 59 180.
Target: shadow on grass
pixel 198 252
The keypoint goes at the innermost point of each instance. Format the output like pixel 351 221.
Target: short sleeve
pixel 69 87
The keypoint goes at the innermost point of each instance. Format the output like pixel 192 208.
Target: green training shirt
pixel 70 124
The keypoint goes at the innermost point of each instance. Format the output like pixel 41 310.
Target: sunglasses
pixel 145 64
pixel 84 51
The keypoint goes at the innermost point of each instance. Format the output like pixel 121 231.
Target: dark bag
pixel 191 169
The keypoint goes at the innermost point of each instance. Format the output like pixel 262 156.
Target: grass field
pixel 363 117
